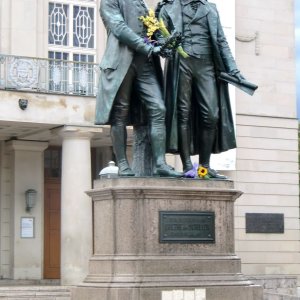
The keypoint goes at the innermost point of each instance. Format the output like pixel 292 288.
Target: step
pixel 276 284
pixel 29 282
pixel 275 296
pixel 35 292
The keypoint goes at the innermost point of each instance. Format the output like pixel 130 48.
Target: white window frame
pixel 70 49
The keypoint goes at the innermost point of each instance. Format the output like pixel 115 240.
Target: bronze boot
pixel 119 138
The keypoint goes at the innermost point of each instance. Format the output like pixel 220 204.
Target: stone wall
pixel 267 153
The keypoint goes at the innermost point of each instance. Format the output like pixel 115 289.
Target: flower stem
pixel 165 33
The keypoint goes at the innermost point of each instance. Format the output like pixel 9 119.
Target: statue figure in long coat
pixel 199 119
pixel 131 78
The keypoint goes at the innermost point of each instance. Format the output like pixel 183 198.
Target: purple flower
pixel 193 173
pixel 149 42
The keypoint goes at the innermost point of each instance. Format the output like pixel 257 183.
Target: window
pixel 71 44
pixel 83 27
pixel 58 29
pixel 58 71
pixel 83 74
pixel 52 162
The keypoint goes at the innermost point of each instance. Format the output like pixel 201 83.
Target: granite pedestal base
pixel 131 261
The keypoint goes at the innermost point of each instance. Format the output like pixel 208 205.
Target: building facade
pixel 49 55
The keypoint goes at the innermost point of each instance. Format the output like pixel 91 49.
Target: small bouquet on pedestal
pixel 197 172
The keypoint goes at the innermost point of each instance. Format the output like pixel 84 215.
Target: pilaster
pixel 27 173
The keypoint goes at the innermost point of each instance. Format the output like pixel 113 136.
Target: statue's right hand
pixel 162 51
pixel 156 50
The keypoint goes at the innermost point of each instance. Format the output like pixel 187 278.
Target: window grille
pixel 72 37
pixel 83 27
pixel 58 71
pixel 58 29
pixel 83 73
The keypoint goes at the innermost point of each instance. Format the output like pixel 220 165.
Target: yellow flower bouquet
pixel 152 25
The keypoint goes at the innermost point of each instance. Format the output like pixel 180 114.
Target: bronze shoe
pixel 214 174
pixel 124 169
pixel 165 170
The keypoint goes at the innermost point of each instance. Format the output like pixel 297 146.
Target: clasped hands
pixel 166 48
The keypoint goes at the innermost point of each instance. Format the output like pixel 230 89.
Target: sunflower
pixel 202 172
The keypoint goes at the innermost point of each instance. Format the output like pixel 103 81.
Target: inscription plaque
pixel 264 223
pixel 186 227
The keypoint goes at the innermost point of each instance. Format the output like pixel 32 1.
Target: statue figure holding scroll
pixel 199 119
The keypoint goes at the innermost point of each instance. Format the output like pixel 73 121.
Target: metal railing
pixel 48 75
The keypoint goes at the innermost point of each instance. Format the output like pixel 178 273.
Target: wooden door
pixel 52 229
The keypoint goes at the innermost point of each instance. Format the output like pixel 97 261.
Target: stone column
pixel 76 206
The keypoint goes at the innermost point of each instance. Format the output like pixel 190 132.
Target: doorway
pixel 52 213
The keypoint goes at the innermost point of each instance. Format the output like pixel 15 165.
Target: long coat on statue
pixel 121 20
pixel 171 13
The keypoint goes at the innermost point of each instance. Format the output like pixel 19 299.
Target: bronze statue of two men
pixel 191 113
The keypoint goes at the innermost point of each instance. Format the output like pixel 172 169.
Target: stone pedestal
pixel 131 262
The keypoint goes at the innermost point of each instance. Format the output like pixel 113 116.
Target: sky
pixel 297 30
